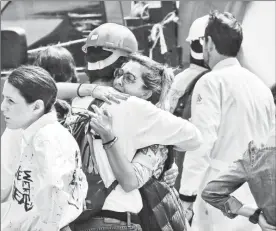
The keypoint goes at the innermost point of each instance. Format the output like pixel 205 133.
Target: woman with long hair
pixel 146 79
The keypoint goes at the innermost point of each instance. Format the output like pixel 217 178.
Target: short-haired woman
pixel 49 186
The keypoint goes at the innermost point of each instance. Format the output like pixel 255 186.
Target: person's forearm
pixel 69 90
pixel 246 210
pixel 122 168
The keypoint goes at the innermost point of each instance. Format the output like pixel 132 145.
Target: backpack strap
pixel 112 186
pixel 191 86
pixel 185 100
pixel 169 161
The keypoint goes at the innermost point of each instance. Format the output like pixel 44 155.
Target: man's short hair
pixel 226 33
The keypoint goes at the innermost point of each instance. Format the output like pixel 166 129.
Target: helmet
pixel 112 35
pixel 197 28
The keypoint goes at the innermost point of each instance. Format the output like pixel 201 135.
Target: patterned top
pixel 149 162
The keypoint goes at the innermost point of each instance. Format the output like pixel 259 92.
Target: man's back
pixel 231 107
pixel 246 107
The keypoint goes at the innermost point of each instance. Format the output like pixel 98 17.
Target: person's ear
pixel 210 44
pixel 38 106
pixel 147 94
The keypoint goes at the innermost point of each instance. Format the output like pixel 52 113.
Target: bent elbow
pixel 128 187
pixel 205 195
pixel 198 139
pixel 209 195
pixel 193 143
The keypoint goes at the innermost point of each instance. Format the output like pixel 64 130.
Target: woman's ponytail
pixel 167 77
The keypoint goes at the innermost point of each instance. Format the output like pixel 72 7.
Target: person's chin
pixel 11 126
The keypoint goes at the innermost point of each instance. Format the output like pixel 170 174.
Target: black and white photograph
pixel 138 115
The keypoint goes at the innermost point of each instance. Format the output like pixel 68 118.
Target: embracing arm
pixel 69 90
pixel 122 168
pixel 155 126
pixel 130 175
pixel 107 94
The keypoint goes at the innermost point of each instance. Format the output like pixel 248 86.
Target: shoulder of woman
pixel 51 133
pixel 138 104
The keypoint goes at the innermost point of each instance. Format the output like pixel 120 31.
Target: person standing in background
pixel 178 100
pixel 231 106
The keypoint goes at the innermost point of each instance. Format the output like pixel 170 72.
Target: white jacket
pixel 231 106
pixel 49 187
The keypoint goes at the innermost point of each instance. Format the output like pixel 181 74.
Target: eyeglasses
pixel 127 77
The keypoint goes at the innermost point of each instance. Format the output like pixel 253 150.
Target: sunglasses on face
pixel 127 77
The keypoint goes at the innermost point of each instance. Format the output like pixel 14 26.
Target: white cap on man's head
pixel 197 28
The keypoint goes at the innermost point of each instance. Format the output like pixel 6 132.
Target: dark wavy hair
pixel 34 83
pixel 226 33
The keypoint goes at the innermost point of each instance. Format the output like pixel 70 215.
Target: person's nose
pixel 120 80
pixel 4 105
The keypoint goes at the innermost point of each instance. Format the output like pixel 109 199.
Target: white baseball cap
pixel 197 28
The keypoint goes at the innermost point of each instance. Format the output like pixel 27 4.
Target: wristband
pixel 187 198
pixel 78 89
pixel 255 217
pixel 108 142
pixel 93 90
pixel 107 146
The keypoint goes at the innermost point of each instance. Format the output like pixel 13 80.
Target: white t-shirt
pixel 137 124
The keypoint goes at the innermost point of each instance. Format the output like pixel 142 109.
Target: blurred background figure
pixel 59 62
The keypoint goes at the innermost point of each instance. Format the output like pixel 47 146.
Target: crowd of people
pixel 99 155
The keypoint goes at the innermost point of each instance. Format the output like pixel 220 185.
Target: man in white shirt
pixel 231 106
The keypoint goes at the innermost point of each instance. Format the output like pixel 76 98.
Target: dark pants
pixel 103 223
pixel 110 224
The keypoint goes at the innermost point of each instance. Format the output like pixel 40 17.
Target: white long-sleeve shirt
pixel 49 187
pixel 231 106
pixel 137 124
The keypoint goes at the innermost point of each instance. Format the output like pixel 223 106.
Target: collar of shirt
pixel 197 67
pixel 226 62
pixel 29 132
